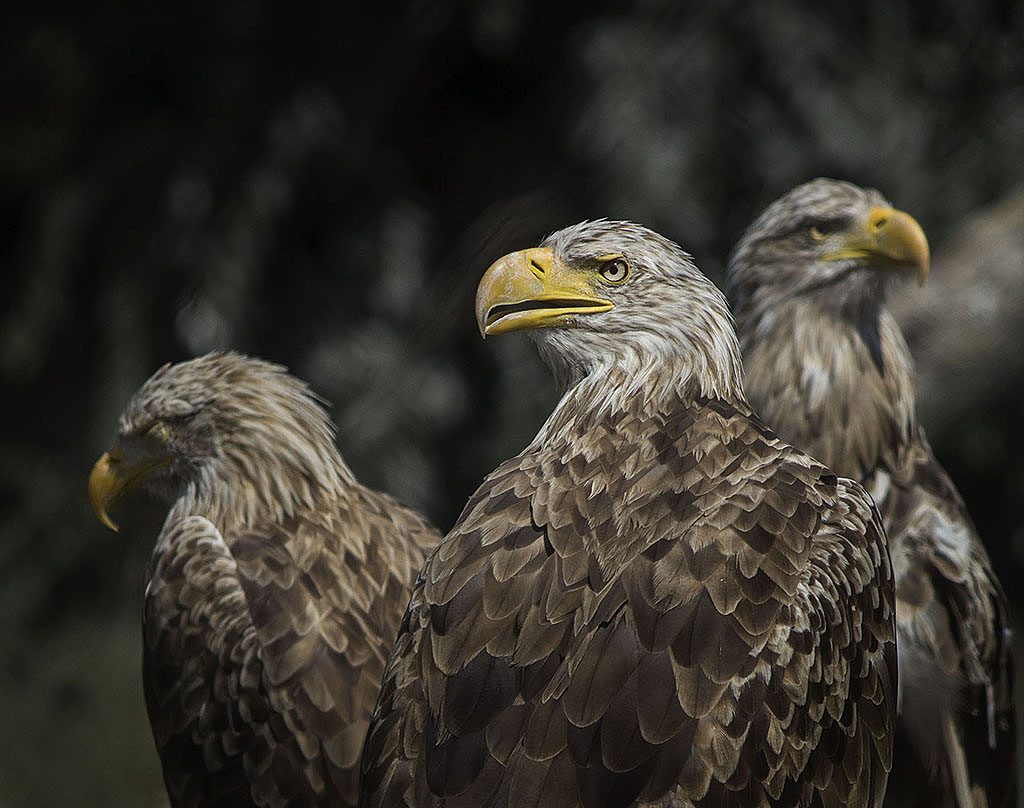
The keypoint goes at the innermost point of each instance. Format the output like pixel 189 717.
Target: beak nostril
pixel 880 223
pixel 537 268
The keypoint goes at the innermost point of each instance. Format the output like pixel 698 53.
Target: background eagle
pixel 827 367
pixel 275 589
pixel 657 601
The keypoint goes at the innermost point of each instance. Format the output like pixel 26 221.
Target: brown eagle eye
pixel 817 233
pixel 615 270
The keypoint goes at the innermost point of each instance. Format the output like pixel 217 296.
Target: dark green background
pixel 323 185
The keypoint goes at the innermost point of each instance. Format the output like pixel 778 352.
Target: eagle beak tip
pixel 104 486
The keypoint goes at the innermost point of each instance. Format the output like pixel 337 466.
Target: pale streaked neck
pixel 858 399
pixel 237 497
pixel 652 384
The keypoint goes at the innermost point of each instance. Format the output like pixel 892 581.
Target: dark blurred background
pixel 323 185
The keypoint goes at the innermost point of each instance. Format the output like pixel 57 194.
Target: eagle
pixel 829 370
pixel 275 588
pixel 657 602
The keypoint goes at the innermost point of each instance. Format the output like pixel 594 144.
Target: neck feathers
pixel 280 464
pixel 693 354
pixel 841 389
pixel 647 384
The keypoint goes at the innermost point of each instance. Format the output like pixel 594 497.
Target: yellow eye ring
pixel 160 431
pixel 614 269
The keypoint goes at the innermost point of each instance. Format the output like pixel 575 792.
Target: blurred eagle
pixel 827 367
pixel 657 602
pixel 274 592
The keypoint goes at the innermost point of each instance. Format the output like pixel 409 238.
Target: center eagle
pixel 657 602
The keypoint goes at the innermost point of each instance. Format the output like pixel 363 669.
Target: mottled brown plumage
pixel 657 602
pixel 275 589
pixel 827 367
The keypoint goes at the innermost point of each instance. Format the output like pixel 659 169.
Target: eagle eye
pixel 822 229
pixel 160 432
pixel 614 268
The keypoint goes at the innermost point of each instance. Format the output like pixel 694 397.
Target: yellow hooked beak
pixel 112 478
pixel 890 238
pixel 533 289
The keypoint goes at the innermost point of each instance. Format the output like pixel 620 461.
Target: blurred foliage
pixel 323 184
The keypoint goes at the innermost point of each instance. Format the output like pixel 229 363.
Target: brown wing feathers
pixel 711 662
pixel 960 738
pixel 190 620
pixel 264 653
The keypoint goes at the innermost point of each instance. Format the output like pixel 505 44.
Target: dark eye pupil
pixel 615 270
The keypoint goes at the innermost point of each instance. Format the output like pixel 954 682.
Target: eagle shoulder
pixel 265 649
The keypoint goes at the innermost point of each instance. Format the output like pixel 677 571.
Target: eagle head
pixel 829 239
pixel 613 295
pixel 209 424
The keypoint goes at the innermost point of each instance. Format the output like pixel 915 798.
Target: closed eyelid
pixel 827 223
